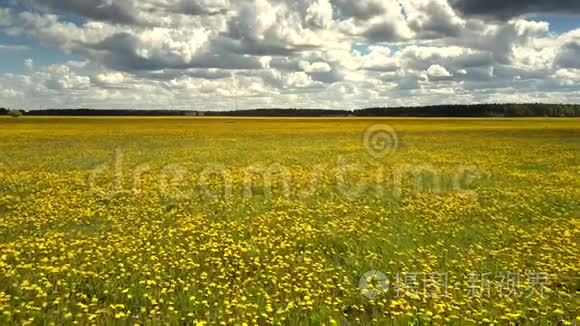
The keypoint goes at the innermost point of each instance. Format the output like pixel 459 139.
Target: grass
pixel 165 220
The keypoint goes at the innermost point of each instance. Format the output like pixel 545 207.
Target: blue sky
pixel 560 23
pixel 13 60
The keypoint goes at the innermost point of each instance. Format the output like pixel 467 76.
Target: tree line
pixel 474 110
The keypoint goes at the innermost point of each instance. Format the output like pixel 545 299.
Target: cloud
pixel 431 19
pixel 316 67
pixel 500 39
pixel 13 48
pixel 279 28
pixel 311 53
pixel 363 9
pixel 385 31
pixel 375 21
pixel 197 73
pixel 437 71
pixel 455 57
pixel 5 17
pixel 569 55
pixel 202 7
pixel 501 9
pixel 380 59
pixel 29 64
pixel 117 11
pixel 568 74
pixel 9 93
pixel 60 77
pixel 110 78
pixel 152 49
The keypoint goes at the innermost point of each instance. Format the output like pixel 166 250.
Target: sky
pixel 334 54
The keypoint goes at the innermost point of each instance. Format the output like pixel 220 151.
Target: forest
pixel 474 110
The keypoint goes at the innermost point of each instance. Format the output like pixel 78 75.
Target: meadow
pixel 234 221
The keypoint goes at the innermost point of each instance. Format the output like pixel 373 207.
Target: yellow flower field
pixel 150 221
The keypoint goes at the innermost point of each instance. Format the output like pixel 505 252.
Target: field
pixel 294 221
